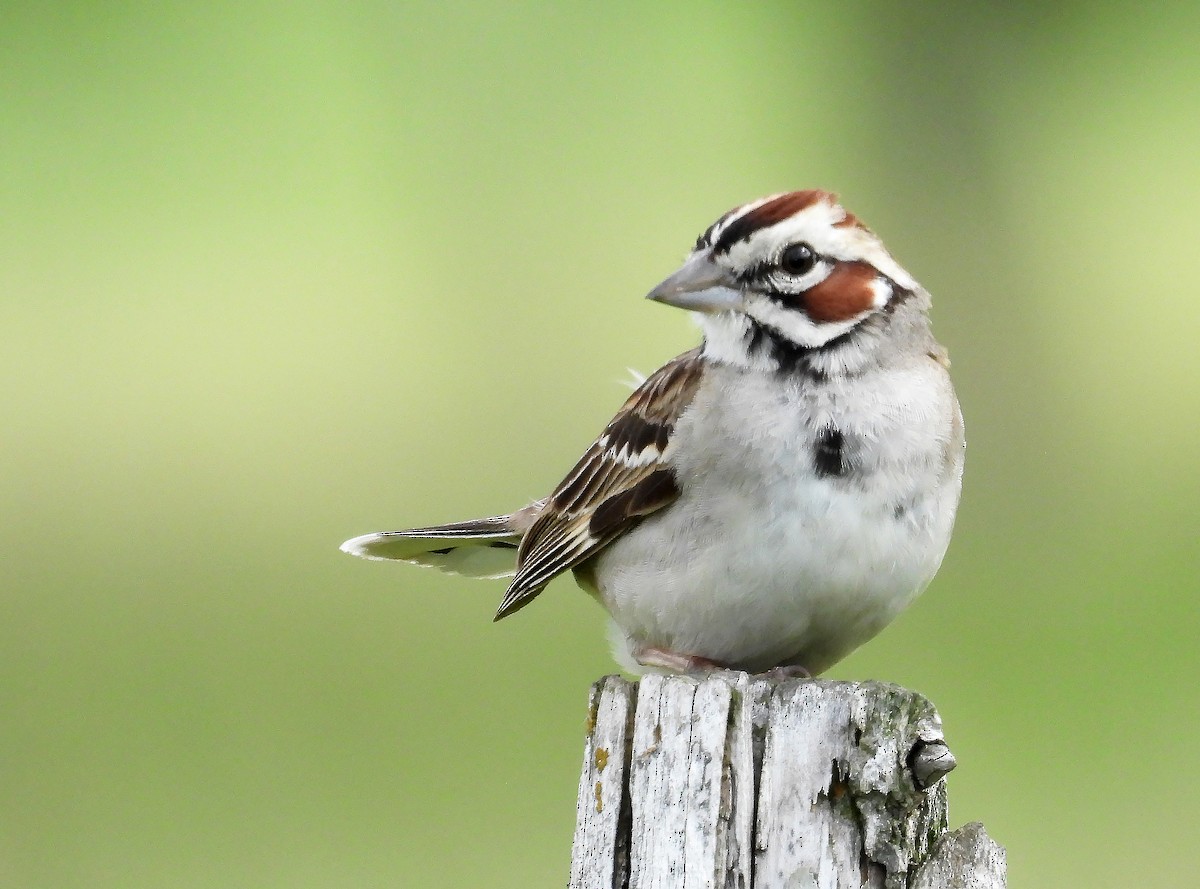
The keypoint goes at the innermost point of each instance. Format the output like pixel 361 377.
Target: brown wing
pixel 620 479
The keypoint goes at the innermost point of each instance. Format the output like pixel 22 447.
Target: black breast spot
pixel 827 452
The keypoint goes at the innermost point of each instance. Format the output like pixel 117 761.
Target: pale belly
pixel 806 588
pixel 765 563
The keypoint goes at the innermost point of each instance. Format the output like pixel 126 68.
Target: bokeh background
pixel 272 275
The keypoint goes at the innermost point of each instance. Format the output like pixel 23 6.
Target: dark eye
pixel 797 259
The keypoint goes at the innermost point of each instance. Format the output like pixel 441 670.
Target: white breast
pixel 762 561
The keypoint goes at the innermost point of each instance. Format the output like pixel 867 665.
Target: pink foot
pixel 676 663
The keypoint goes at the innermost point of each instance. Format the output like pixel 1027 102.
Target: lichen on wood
pixel 735 782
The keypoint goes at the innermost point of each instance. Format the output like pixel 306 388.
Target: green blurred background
pixel 274 274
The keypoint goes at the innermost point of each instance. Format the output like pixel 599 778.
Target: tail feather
pixel 485 548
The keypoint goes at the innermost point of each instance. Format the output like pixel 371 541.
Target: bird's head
pixel 792 280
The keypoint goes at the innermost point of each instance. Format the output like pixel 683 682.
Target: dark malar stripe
pixel 790 357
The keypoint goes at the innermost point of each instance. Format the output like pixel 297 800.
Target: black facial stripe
pixel 761 271
pixel 755 274
pixel 899 295
pixel 740 229
pixel 705 239
pixel 791 357
pixel 756 337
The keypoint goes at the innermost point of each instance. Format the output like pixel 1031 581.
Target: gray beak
pixel 699 286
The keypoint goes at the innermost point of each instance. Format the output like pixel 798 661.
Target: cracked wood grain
pixel 735 782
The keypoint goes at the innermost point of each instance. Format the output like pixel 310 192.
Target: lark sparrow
pixel 770 499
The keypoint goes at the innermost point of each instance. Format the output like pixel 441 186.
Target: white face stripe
pixel 817 226
pixel 795 325
pixel 882 289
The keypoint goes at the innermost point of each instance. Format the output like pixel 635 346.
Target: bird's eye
pixel 798 259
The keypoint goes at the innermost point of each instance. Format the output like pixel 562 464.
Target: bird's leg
pixel 648 656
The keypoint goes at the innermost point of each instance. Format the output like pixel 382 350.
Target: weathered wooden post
pixel 736 782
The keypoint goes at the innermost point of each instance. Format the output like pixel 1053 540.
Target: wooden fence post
pixel 736 782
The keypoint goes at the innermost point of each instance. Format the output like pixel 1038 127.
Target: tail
pixel 485 548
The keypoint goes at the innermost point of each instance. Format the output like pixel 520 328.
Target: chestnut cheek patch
pixel 851 289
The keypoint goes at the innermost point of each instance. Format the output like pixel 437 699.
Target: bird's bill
pixel 699 286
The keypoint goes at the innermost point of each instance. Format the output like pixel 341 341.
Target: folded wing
pixel 622 478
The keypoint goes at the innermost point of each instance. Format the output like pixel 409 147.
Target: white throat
pixel 726 340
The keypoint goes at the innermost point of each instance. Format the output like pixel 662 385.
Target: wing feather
pixel 621 478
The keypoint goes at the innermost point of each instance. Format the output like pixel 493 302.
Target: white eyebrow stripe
pixel 816 226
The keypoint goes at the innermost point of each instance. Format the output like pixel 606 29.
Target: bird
pixel 769 500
